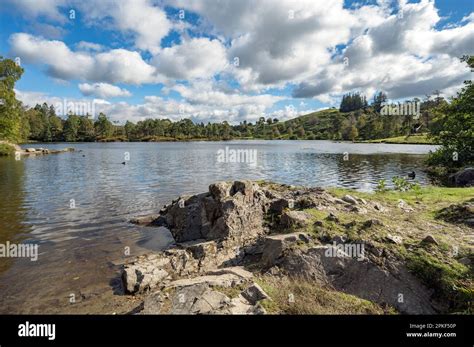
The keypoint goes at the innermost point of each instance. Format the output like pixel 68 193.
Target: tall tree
pixel 10 107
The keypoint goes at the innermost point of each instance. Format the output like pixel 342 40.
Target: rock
pixel 199 299
pixel 137 281
pixel 279 205
pixel 371 223
pixel 394 239
pixel 362 278
pixel 235 270
pixel 30 150
pixel 200 248
pixel 275 245
pixel 254 293
pixel 339 201
pixel 224 280
pixel 349 199
pixel 358 209
pixel 361 200
pixel 239 305
pixel 318 223
pixel 216 216
pixel 339 239
pixel 153 303
pixel 295 219
pixel 378 207
pixel 465 261
pixel 463 178
pixel 220 190
pixel 404 206
pixel 332 217
pixel 145 220
pixel 430 240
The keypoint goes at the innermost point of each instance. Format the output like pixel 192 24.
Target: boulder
pixel 145 220
pixel 463 178
pixel 404 206
pixel 275 245
pixel 430 240
pixel 228 212
pixel 394 239
pixel 349 199
pixel 30 150
pixel 220 190
pixel 363 278
pixel 254 293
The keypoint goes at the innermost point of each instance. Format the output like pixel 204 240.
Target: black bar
pixel 159 330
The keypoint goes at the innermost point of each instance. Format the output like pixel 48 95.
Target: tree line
pixel 449 123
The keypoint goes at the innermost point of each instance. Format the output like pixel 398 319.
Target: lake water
pixel 76 206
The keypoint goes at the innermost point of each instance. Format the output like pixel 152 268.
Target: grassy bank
pixel 421 139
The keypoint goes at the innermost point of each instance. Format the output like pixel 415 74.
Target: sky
pixel 216 60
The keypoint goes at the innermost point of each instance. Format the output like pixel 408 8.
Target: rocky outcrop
pixel 240 225
pixel 389 283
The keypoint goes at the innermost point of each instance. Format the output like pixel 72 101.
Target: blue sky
pixel 233 61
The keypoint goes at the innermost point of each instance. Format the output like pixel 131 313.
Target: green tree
pixel 454 128
pixel 10 107
pixel 71 128
pixel 103 127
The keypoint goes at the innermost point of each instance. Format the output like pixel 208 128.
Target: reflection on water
pixel 36 195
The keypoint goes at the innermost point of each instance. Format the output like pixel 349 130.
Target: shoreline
pixel 290 237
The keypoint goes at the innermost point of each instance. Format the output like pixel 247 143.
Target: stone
pixel 224 280
pixel 199 299
pixel 332 217
pixel 349 199
pixel 279 205
pixel 200 248
pixel 362 278
pixel 404 206
pixel 430 240
pixel 218 216
pixel 371 223
pixel 463 178
pixel 145 220
pixel 394 239
pixel 30 150
pixel 137 281
pixel 220 190
pixel 361 200
pixel 153 303
pixel 465 261
pixel 359 210
pixel 254 293
pixel 234 270
pixel 275 245
pixel 292 218
pixel 378 207
pixel 318 223
pixel 339 239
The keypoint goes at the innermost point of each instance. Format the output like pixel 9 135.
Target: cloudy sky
pixel 215 60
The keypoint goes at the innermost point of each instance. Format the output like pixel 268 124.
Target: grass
pixel 299 296
pixel 436 212
pixel 421 139
pixel 451 281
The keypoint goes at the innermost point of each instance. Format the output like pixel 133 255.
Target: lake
pixel 76 206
